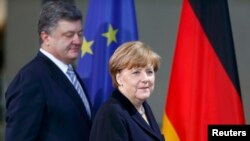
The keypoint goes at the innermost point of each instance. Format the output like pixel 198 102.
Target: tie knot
pixel 70 69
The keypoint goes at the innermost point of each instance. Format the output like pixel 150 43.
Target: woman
pixel 126 116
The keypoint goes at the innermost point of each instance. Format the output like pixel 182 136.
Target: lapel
pixel 153 129
pixel 64 83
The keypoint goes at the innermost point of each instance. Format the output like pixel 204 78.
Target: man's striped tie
pixel 78 88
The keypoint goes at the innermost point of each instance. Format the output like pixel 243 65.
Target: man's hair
pixel 53 11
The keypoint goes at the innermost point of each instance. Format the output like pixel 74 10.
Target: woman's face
pixel 137 83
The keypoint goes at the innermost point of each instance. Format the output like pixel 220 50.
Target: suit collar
pixel 61 65
pixel 153 128
pixel 64 82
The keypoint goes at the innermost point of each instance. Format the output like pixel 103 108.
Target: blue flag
pixel 109 23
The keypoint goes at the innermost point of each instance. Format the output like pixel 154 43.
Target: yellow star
pixel 86 47
pixel 110 35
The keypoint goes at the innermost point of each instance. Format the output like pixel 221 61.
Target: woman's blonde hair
pixel 131 55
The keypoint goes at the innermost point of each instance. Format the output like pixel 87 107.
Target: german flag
pixel 204 87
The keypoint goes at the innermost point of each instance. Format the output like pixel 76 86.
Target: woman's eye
pixel 136 72
pixel 150 72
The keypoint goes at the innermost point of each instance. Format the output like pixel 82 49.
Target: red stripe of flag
pixel 203 87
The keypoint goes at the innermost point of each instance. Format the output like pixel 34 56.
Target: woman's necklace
pixel 142 110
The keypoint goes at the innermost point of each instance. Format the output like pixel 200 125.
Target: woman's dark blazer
pixel 118 120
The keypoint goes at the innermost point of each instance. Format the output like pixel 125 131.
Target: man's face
pixel 65 40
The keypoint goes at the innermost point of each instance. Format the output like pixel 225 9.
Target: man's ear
pixel 45 37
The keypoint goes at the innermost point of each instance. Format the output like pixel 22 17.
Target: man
pixel 42 102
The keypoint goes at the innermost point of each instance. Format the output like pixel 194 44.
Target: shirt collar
pixel 62 66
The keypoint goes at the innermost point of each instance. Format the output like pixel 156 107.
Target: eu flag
pixel 109 23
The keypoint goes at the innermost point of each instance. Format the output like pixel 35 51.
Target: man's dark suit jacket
pixel 118 120
pixel 43 105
